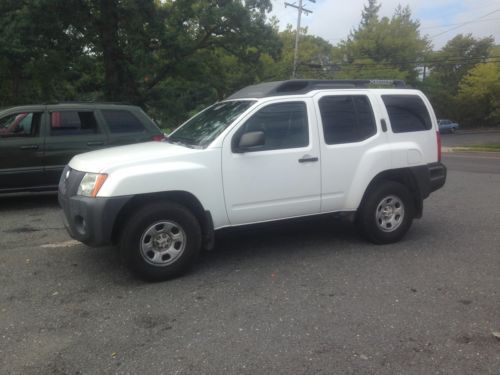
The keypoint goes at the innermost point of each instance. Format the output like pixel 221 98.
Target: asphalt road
pixel 304 297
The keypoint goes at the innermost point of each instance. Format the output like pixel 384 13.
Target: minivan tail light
pixel 438 139
pixel 158 137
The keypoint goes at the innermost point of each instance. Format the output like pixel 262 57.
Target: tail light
pixel 158 137
pixel 438 139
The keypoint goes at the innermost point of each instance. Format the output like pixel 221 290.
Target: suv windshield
pixel 202 129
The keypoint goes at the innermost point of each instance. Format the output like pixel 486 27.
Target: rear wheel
pixel 161 241
pixel 387 213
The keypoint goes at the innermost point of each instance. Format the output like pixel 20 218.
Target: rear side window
pixel 72 123
pixel 407 113
pixel 346 118
pixel 120 121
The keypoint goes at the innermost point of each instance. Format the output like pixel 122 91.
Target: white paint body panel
pixel 157 167
pixel 267 185
pixel 348 168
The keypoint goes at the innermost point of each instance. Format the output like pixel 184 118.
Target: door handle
pixel 29 147
pixel 308 159
pixel 95 143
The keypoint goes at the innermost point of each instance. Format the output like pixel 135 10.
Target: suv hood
pixel 109 159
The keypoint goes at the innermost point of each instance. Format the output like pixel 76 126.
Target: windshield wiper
pixel 182 141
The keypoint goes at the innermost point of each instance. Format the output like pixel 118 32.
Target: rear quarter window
pixel 120 121
pixel 407 113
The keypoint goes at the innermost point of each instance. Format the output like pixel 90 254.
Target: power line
pixel 454 24
pixel 465 23
pixel 388 65
pixel 468 11
pixel 454 60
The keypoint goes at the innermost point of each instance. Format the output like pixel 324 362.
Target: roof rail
pixel 55 102
pixel 303 86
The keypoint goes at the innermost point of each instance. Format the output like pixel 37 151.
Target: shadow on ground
pixel 28 201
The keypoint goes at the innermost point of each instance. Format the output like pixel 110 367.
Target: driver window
pixel 284 126
pixel 24 124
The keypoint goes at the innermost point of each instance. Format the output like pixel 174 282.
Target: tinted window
pixel 72 123
pixel 346 118
pixel 24 124
pixel 407 113
pixel 122 122
pixel 284 125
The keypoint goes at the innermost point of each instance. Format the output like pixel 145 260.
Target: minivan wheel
pixel 161 241
pixel 387 213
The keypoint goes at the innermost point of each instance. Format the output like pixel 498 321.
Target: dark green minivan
pixel 37 141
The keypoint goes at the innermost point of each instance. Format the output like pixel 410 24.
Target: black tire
pixel 161 227
pixel 386 213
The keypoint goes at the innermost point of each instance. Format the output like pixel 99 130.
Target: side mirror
pixel 251 141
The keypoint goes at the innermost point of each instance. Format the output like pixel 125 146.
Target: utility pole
pixel 300 9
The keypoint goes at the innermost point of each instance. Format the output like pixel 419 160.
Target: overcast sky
pixel 333 19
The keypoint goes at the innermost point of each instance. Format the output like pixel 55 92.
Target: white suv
pixel 269 152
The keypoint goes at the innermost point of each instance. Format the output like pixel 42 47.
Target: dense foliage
pixel 174 57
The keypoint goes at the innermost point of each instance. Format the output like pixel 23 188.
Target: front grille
pixel 69 182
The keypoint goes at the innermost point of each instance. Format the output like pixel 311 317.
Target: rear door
pixel 69 131
pixel 21 150
pixel 350 145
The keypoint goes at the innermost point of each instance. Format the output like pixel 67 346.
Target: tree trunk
pixel 119 84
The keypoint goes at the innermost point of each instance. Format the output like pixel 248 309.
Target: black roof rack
pixel 303 86
pixel 56 102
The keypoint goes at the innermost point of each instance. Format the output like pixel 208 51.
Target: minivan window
pixel 23 124
pixel 346 118
pixel 72 123
pixel 407 113
pixel 122 121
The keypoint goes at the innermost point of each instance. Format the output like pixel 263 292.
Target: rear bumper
pixel 429 177
pixel 437 176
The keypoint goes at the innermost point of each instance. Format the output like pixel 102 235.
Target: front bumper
pixel 89 220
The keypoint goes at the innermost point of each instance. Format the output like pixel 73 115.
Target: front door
pixel 21 151
pixel 279 179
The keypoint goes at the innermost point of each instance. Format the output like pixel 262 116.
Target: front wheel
pixel 161 241
pixel 387 213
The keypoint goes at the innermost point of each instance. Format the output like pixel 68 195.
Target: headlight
pixel 91 183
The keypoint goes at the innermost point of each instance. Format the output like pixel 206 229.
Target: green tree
pixel 315 57
pixel 479 95
pixel 392 44
pixel 457 57
pixel 137 51
pixel 40 52
pixel 450 65
pixel 369 15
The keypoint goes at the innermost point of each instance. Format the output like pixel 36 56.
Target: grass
pixel 494 147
